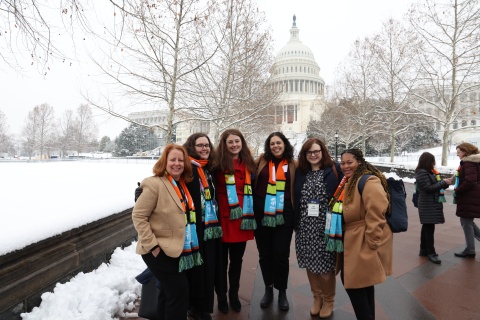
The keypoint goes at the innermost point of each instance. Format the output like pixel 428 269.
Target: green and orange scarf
pixel 190 256
pixel 441 198
pixel 333 223
pixel 246 213
pixel 275 196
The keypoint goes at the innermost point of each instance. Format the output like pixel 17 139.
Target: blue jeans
pixel 472 232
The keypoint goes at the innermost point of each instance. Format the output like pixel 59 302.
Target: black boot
pixel 282 300
pixel 267 297
pixel 222 304
pixel 234 301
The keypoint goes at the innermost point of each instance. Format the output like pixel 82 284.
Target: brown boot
pixel 314 280
pixel 328 283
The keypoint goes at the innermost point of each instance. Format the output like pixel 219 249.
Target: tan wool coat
pixel 159 218
pixel 368 239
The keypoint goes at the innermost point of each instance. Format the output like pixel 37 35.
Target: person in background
pixel 235 166
pixel 467 195
pixel 316 179
pixel 273 207
pixel 430 188
pixel 365 241
pixel 164 218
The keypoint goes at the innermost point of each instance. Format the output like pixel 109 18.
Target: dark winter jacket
pixel 330 179
pixel 468 191
pixel 428 188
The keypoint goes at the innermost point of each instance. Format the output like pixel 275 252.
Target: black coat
pixel 428 188
pixel 468 190
pixel 330 179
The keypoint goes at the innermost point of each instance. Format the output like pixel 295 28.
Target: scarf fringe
pixel 248 224
pixel 269 221
pixel 334 245
pixel 236 213
pixel 212 233
pixel 442 199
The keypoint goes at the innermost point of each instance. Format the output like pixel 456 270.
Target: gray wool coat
pixel 428 188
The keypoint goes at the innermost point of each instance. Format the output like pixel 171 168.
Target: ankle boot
pixel 222 304
pixel 314 280
pixel 282 300
pixel 267 297
pixel 234 301
pixel 328 283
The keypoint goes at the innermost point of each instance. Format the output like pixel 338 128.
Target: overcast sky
pixel 329 28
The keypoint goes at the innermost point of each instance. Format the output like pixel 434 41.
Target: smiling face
pixel 202 147
pixel 314 156
pixel 349 164
pixel 234 145
pixel 175 164
pixel 277 147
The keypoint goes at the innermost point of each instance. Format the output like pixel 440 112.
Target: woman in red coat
pixel 467 191
pixel 235 165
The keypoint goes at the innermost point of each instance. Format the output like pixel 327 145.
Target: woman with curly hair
pixel 467 191
pixel 364 241
pixel 273 207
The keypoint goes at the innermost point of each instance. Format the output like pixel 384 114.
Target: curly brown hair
pixel 363 168
pixel 189 145
pixel 468 148
pixel 160 167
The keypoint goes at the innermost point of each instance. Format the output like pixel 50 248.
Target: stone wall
pixel 27 273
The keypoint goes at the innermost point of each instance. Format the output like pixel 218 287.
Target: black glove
pixel 138 191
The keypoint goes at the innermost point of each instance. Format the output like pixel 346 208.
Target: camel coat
pixel 368 239
pixel 159 218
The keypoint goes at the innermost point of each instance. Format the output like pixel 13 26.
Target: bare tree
pixel 66 130
pixel 84 128
pixel 5 140
pixel 38 130
pixel 450 63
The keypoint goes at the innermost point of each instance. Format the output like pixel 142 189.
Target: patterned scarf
pixel 190 256
pixel 333 224
pixel 441 198
pixel 457 183
pixel 248 219
pixel 275 197
pixel 213 230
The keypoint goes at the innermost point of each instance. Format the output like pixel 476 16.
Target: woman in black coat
pixel 430 203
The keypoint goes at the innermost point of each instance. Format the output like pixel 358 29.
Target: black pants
pixel 427 240
pixel 232 259
pixel 363 301
pixel 173 299
pixel 273 246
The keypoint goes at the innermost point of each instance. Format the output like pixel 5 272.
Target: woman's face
pixel 175 163
pixel 234 145
pixel 202 147
pixel 277 147
pixel 314 156
pixel 348 164
pixel 460 154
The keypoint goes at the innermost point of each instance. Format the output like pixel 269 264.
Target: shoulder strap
pixel 361 183
pixel 334 167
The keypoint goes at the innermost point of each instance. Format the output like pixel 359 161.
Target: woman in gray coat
pixel 430 203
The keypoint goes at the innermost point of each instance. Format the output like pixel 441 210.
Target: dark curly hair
pixel 363 168
pixel 326 160
pixel 287 153
pixel 224 161
pixel 468 148
pixel 189 145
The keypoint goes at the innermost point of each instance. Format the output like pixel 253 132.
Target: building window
pixel 455 125
pixel 473 123
pixel 291 113
pixel 464 123
pixel 279 114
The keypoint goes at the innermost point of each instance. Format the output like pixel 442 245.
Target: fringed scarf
pixel 457 183
pixel 441 198
pixel 248 219
pixel 275 197
pixel 190 256
pixel 333 224
pixel 213 230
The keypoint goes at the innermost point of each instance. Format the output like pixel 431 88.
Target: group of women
pixel 196 214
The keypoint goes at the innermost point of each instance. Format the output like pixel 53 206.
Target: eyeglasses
pixel 314 152
pixel 201 146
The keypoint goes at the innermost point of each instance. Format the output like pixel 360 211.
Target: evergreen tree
pixel 134 139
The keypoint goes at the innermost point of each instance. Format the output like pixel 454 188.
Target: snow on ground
pixel 40 200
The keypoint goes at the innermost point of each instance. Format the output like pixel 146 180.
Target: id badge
pixel 313 207
pixel 328 220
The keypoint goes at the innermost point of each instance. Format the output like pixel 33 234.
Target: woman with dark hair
pixel 233 172
pixel 273 207
pixel 164 217
pixel 316 179
pixel 467 195
pixel 364 241
pixel 430 188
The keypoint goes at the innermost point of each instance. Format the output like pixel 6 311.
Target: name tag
pixel 313 207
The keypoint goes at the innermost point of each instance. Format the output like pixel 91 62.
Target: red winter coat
pixel 231 228
pixel 468 191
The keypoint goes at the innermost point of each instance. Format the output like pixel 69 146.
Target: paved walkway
pixel 418 288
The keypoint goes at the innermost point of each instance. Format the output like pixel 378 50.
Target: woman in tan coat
pixel 366 259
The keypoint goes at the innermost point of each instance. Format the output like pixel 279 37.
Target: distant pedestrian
pixel 430 188
pixel 467 195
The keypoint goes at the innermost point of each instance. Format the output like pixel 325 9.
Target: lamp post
pixel 336 145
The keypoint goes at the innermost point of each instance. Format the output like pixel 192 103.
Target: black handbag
pixel 415 196
pixel 149 301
